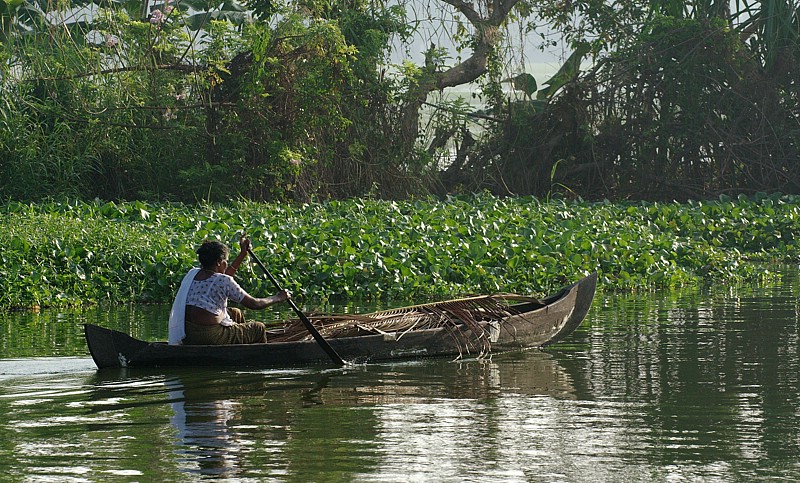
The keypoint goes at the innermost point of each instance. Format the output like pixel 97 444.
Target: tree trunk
pixel 486 37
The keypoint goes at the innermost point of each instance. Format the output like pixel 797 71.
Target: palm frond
pixel 466 320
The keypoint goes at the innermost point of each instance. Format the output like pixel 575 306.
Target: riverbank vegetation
pixel 270 100
pixel 324 130
pixel 73 253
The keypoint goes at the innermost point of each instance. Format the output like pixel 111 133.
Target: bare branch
pixel 466 9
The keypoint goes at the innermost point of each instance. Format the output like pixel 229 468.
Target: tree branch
pixel 486 37
pixel 466 9
pixel 176 67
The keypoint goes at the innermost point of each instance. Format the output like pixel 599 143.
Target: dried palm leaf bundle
pixel 466 319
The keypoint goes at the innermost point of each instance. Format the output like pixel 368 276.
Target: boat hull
pixel 543 325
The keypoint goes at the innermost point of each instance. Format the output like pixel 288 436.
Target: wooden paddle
pixel 313 330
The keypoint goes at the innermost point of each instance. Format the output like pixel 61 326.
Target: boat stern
pixel 109 348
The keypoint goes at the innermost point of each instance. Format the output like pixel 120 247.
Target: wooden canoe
pixel 526 323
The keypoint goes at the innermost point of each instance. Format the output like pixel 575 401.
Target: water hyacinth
pixel 415 251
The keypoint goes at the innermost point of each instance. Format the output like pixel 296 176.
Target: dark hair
pixel 211 252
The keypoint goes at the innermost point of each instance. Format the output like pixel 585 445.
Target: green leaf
pixel 566 73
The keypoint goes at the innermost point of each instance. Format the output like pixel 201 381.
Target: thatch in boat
pixel 464 318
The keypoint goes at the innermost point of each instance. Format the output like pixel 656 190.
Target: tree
pixel 681 108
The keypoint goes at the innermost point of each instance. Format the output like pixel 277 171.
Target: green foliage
pixel 288 118
pixel 82 103
pixel 371 157
pixel 682 112
pixel 696 121
pixel 76 253
pixel 567 73
pixel 165 104
pixel 193 101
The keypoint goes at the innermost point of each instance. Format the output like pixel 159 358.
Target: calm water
pixel 682 387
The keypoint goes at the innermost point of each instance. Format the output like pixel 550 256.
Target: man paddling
pixel 200 313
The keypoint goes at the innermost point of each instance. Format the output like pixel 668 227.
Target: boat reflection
pixel 221 418
pixel 265 423
pixel 531 373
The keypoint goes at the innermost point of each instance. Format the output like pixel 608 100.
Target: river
pixel 682 386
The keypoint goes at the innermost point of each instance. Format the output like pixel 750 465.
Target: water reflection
pixel 715 374
pixel 219 422
pixel 203 432
pixel 265 424
pixel 60 332
pixel 701 385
